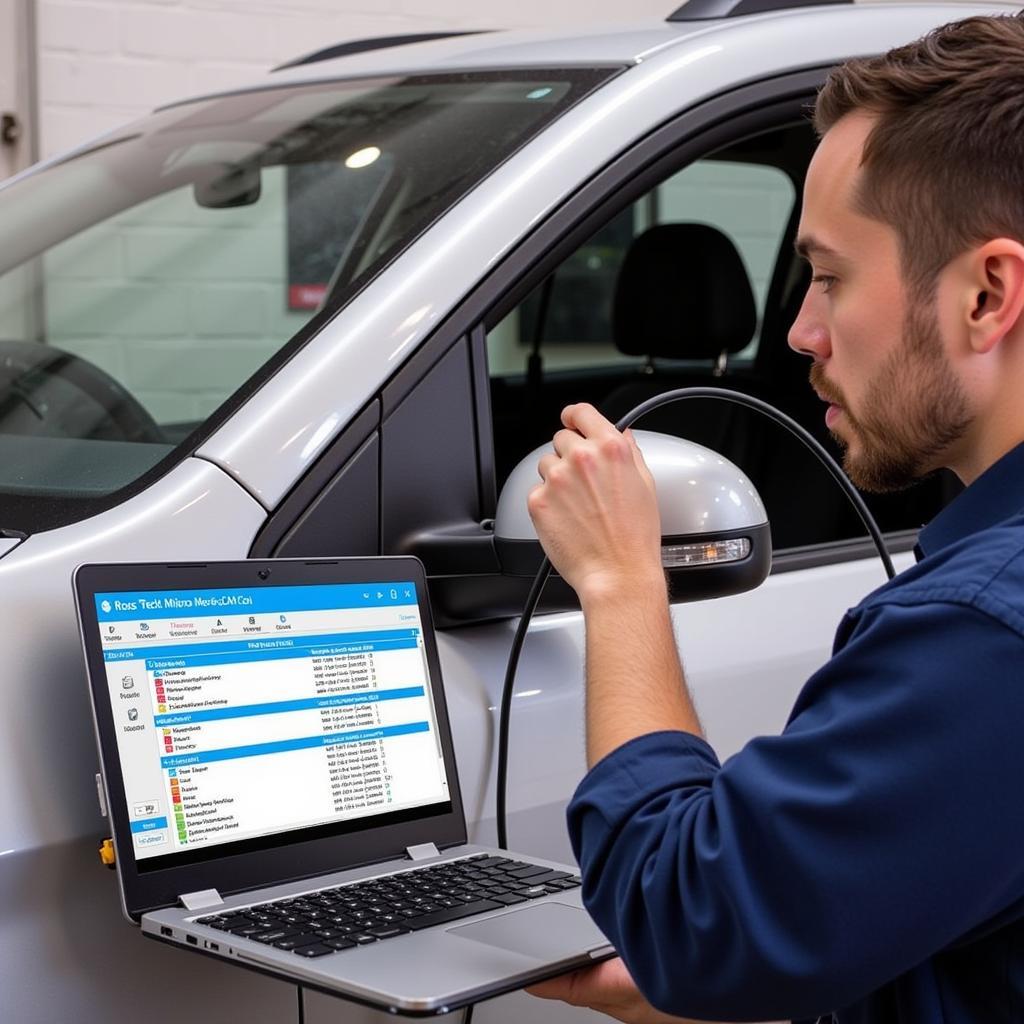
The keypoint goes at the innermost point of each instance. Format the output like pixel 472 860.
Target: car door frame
pixel 359 453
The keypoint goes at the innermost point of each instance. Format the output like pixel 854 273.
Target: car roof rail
pixel 373 43
pixel 705 10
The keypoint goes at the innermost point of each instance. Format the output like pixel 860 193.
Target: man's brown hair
pixel 944 162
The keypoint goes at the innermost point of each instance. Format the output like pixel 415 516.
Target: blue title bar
pixel 168 604
pixel 213 652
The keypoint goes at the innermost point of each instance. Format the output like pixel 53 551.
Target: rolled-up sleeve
pixel 812 867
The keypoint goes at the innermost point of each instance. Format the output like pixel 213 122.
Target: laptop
pixel 280 776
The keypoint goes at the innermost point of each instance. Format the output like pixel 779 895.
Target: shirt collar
pixel 996 495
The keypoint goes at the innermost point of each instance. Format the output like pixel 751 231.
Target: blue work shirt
pixel 870 859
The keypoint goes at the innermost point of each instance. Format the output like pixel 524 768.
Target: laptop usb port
pixel 191 940
pixel 213 946
pixel 164 930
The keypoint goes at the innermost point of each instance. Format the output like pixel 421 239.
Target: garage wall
pixel 102 62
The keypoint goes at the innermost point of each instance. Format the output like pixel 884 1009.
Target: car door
pixel 418 470
pixel 427 457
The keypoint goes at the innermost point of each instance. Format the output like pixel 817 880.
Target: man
pixel 868 862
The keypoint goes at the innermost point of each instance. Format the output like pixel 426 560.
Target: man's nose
pixel 809 334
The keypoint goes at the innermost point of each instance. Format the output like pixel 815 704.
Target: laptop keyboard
pixel 359 913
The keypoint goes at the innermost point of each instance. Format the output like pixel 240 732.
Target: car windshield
pixel 151 282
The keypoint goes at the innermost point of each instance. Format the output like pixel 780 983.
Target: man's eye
pixel 826 281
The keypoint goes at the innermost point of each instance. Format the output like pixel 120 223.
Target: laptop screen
pixel 246 714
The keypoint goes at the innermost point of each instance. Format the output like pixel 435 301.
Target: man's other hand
pixel 607 988
pixel 596 511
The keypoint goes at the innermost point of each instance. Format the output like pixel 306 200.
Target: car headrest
pixel 682 293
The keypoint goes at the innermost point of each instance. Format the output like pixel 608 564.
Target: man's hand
pixel 607 988
pixel 596 512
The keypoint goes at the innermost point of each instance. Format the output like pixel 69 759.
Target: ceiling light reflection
pixel 362 157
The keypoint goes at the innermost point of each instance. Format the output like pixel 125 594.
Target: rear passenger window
pixel 694 284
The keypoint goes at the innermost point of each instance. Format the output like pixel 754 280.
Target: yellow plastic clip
pixel 107 855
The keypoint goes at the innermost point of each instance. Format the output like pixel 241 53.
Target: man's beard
pixel 912 412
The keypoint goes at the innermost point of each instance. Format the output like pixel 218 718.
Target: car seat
pixel 684 294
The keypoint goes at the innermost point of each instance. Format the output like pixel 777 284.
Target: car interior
pixel 680 311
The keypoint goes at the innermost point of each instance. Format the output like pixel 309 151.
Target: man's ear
pixel 995 292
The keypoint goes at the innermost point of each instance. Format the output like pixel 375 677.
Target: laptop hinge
pixel 201 900
pixel 422 852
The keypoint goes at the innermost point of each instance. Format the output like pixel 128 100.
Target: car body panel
pixel 746 658
pixel 194 512
pixel 8 544
pixel 67 954
pixel 591 44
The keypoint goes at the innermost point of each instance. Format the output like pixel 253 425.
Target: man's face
pixel 896 406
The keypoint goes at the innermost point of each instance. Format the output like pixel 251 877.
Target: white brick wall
pixel 180 316
pixel 103 62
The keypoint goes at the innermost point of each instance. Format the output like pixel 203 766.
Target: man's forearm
pixel 635 683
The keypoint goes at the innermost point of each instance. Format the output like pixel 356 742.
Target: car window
pixel 569 319
pixel 693 284
pixel 144 282
pixel 178 304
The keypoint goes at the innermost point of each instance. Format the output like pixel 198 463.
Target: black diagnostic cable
pixel 666 397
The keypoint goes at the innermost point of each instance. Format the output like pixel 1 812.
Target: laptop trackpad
pixel 550 931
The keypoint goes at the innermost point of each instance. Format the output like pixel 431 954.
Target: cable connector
pixel 107 855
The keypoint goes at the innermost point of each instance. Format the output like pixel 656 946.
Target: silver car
pixel 327 315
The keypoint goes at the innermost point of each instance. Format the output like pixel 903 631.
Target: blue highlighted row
pixel 203 660
pixel 262 644
pixel 277 707
pixel 149 824
pixel 282 746
pixel 165 604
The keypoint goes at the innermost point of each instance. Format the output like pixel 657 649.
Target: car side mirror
pixel 716 540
